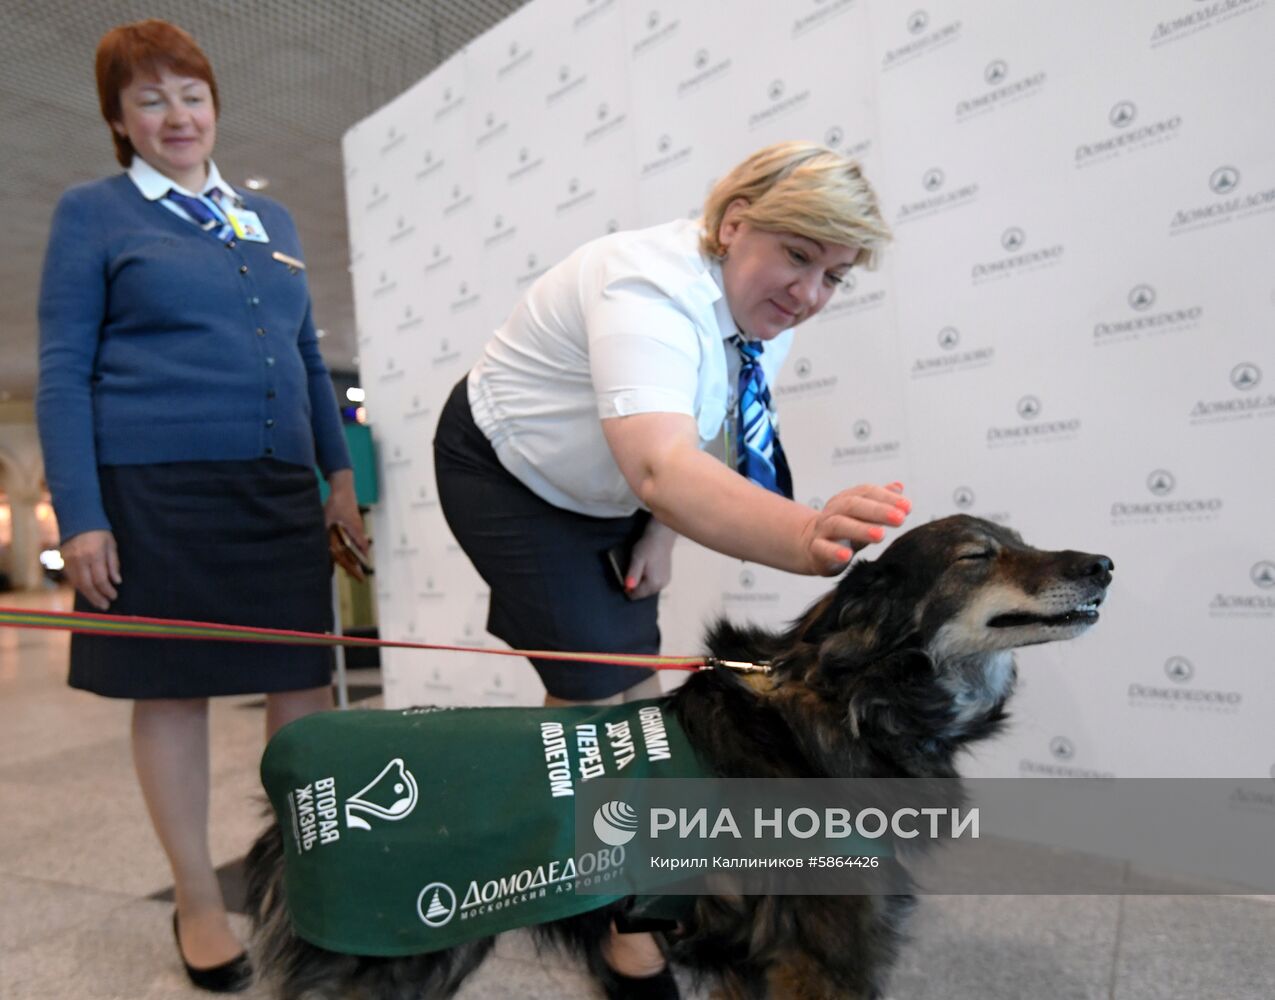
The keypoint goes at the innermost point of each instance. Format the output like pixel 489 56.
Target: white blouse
pixel 633 322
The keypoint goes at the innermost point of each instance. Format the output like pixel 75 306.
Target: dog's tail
pixel 293 969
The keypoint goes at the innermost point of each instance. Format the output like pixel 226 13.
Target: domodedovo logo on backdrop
pixel 940 197
pixel 1020 259
pixel 1258 601
pixel 439 257
pixel 1165 505
pixel 417 408
pixel 1062 762
pixel 410 320
pixel 813 14
pixel 706 68
pixel 656 28
pixel 953 357
pixel 1244 402
pixel 393 139
pixel 450 100
pixel 1032 430
pixel 466 297
pixel 1180 694
pixel 568 81
pixel 460 198
pixel 607 122
pixel 807 383
pixel 781 102
pixel 666 155
pixel 576 193
pixel 865 447
pixel 1200 16
pixel 527 162
pixel 592 12
pixel 430 165
pixel 517 56
pixel 1229 204
pixel 1129 135
pixel 925 39
pixel 392 372
pixel 493 126
pixel 1006 90
pixel 1144 320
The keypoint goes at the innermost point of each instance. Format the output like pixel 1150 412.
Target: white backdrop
pixel 1073 332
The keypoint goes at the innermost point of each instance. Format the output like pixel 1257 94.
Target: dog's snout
pixel 1091 567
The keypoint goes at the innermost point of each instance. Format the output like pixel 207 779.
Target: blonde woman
pixel 574 449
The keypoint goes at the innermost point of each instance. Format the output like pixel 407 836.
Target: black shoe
pixel 661 986
pixel 234 976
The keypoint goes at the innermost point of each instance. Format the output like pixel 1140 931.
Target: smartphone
pixel 617 557
pixel 346 552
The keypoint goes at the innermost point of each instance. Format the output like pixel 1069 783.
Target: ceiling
pixel 293 76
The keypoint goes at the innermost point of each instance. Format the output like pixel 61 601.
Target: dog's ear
pixel 867 615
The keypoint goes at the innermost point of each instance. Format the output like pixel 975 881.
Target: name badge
pixel 293 264
pixel 247 226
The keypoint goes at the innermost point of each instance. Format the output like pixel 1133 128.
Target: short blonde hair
pixel 804 188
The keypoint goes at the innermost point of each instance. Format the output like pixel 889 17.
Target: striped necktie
pixel 204 211
pixel 759 455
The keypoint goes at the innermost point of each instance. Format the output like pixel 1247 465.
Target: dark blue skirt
pixel 551 587
pixel 238 542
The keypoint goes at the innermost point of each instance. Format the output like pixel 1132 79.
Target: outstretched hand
pixel 850 520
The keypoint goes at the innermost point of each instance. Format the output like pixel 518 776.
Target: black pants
pixel 550 584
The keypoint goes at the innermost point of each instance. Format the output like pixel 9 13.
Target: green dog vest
pixel 410 831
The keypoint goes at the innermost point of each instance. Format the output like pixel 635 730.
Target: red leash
pixel 137 627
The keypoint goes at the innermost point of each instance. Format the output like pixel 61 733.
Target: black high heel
pixel 233 976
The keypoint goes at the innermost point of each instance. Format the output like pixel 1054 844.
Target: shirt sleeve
pixel 331 451
pixel 71 312
pixel 644 351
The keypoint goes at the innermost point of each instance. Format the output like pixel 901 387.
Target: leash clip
pixel 739 666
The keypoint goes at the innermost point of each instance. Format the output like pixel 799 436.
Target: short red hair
pixel 144 47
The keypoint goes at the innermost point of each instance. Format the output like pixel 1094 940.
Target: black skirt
pixel 551 587
pixel 238 542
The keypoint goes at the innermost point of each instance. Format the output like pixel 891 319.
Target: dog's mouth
pixel 1082 614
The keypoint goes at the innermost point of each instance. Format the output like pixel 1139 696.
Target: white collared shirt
pixel 155 185
pixel 633 322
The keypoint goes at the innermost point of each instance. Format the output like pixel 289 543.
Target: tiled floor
pixel 82 881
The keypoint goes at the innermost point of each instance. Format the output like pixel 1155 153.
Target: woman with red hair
pixel 182 408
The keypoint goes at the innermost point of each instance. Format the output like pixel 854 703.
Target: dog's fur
pixel 901 666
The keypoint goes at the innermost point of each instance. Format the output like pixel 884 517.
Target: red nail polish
pixel 877 534
pixel 844 555
pixel 630 583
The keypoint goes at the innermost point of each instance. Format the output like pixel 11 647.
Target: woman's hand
pixel 850 520
pixel 343 507
pixel 651 563
pixel 92 564
pixel 699 497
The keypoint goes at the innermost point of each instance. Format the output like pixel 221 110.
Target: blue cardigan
pixel 160 343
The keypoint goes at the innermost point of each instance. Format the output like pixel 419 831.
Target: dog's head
pixel 959 587
pixel 924 633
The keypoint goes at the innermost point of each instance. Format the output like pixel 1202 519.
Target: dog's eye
pixel 986 554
